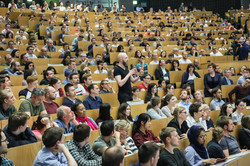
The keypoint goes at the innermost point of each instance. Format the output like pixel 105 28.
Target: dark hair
pixel 81 132
pixel 154 101
pixel 166 99
pixel 143 117
pixel 215 90
pixel 52 68
pixel 38 124
pixel 188 66
pixel 17 119
pixel 134 88
pixel 211 64
pixel 14 52
pixel 104 112
pixel 67 86
pixel 77 52
pixel 245 121
pixel 27 73
pixel 194 108
pixel 27 65
pixel 150 87
pixel 71 75
pixel 176 62
pixel 147 151
pixel 91 87
pixel 119 48
pixel 107 127
pixel 237 103
pixel 53 81
pixel 74 107
pixel 51 136
pixel 223 110
pixel 222 121
pixel 122 112
pixel 66 54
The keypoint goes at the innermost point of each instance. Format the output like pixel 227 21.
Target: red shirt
pixel 142 86
pixel 51 107
pixel 139 137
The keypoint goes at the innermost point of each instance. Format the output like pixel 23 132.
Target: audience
pixel 226 110
pixel 152 92
pixel 244 136
pixel 184 100
pixel 54 151
pixel 81 117
pixel 171 155
pixel 213 147
pixel 195 118
pixel 93 101
pixel 141 132
pixel 32 84
pixel 206 116
pixel 49 104
pixel 104 113
pixel 196 153
pixel 146 79
pixel 241 91
pixel 168 105
pixel 70 95
pixel 7 108
pixel 237 114
pixel 17 131
pixel 161 73
pixel 189 75
pixel 226 79
pixel 153 108
pixel 74 80
pixel 56 83
pixel 80 149
pixel 124 113
pixel 34 105
pixel 245 75
pixel 109 137
pixel 3 149
pixel 217 102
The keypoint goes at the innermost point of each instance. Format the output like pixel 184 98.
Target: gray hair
pixel 37 92
pixel 60 113
pixel 226 70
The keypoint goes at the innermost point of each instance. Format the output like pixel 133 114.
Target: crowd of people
pixel 115 142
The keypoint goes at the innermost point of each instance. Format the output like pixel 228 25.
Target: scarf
pixel 89 122
pixel 192 136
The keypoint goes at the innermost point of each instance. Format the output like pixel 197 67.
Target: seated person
pixel 42 123
pixel 17 132
pixel 4 149
pixel 179 122
pixel 213 147
pixel 100 69
pixel 146 78
pixel 81 116
pixel 106 88
pixel 244 136
pixel 195 117
pixel 124 113
pixel 127 142
pixel 161 73
pixel 226 123
pixel 153 108
pixel 26 93
pixel 113 155
pixel 44 53
pixel 6 104
pixel 70 95
pixel 80 149
pixel 189 75
pixel 93 101
pixel 196 153
pixel 49 104
pixel 245 75
pixel 104 113
pixel 152 92
pixel 184 100
pixel 135 96
pixel 148 154
pixel 66 119
pixel 109 137
pixel 237 115
pixel 74 80
pixel 241 91
pixel 141 132
pixel 217 102
pixel 54 152
pixel 142 65
pixel 34 105
pixel 47 75
pixel 71 67
pixel 206 116
pixel 171 155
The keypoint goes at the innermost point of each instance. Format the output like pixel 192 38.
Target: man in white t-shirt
pixel 154 59
pixel 215 52
pixel 184 59
pixel 79 89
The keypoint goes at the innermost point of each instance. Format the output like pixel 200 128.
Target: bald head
pixel 113 156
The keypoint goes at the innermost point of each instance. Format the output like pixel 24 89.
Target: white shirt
pixel 237 117
pixel 191 122
pixel 98 72
pixel 80 90
pixel 219 38
pixel 217 54
pixel 182 61
pixel 154 63
pixel 32 56
pixel 177 56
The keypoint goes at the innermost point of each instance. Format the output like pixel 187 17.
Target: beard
pixel 125 63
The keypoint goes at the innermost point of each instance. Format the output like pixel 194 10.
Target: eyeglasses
pixel 203 136
pixel 184 112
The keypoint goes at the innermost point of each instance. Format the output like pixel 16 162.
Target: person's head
pixel 29 65
pixel 93 89
pixel 72 64
pixel 48 74
pixel 184 94
pixel 199 96
pixel 211 67
pixel 107 128
pixel 245 121
pixel 146 78
pixel 152 89
pixel 227 73
pixel 55 82
pixel 65 114
pixel 169 136
pixel 196 136
pixel 246 73
pixel 226 109
pixel 123 58
pixel 30 50
pixel 104 111
pixel 18 122
pixel 24 58
pixel 81 133
pixel 143 121
pixel 149 153
pixel 175 64
pixel 123 127
pixel 169 99
pixel 11 44
pixel 15 65
pixel 39 123
pixel 37 96
pixel 3 143
pixel 195 110
pixel 239 104
pixel 180 113
pixel 50 93
pixel 32 82
pixel 79 110
pixel 8 58
pixel 15 53
pixel 190 68
pixel 74 78
pixel 226 123
pixel 217 134
pixel 113 156
pixel 5 81
pixel 6 97
pixel 217 93
pixel 87 79
pixel 184 55
pixel 52 137
pixel 70 90
pixel 169 89
pixel 124 112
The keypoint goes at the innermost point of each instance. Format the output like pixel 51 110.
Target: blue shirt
pixel 215 104
pixel 241 80
pixel 145 67
pixel 91 103
pixel 62 125
pixel 9 71
pixel 46 157
pixel 228 81
pixel 68 102
pixel 193 157
pixel 185 105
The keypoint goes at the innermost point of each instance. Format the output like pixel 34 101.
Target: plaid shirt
pixel 84 156
pixel 6 162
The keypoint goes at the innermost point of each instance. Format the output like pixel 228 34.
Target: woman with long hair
pixel 30 65
pixel 226 110
pixel 152 92
pixel 237 115
pixel 168 105
pixel 124 112
pixel 199 97
pixel 104 113
pixel 57 84
pixel 153 108
pixel 141 132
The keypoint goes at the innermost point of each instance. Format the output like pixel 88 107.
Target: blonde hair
pixel 122 124
pixel 177 111
pixel 202 94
